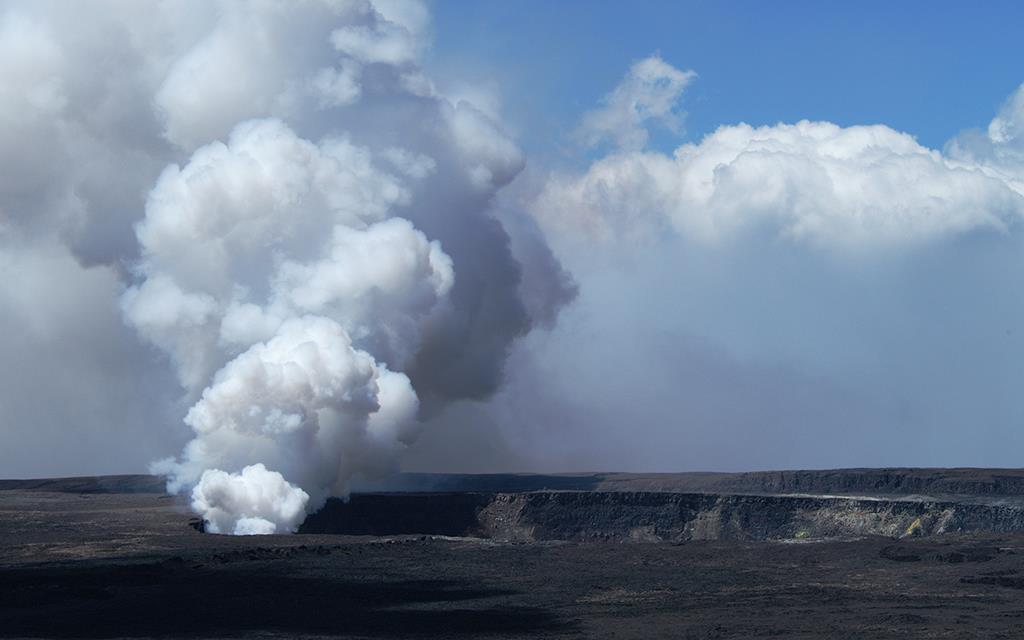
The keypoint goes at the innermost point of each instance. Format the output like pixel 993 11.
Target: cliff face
pixel 645 516
pixel 445 514
pixel 648 516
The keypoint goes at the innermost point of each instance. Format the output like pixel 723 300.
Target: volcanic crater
pixel 862 553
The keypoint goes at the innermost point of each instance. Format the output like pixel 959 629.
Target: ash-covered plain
pixel 867 553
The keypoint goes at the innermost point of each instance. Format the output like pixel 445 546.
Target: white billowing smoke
pixel 226 237
pixel 271 503
pixel 314 247
pixel 305 402
pixel 286 274
pixel 274 254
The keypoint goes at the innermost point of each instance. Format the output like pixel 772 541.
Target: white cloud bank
pixel 793 295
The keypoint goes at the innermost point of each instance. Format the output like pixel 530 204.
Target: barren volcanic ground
pixel 892 553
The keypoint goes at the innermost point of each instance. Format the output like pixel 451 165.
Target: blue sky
pixel 930 69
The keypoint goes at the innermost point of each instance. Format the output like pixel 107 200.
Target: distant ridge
pixel 90 484
pixel 886 481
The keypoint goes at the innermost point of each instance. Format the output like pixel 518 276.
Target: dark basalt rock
pixel 655 516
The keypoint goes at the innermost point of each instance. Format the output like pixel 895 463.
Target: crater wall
pixel 656 516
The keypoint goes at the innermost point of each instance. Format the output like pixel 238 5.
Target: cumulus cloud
pixel 649 94
pixel 837 188
pixel 812 182
pixel 1001 146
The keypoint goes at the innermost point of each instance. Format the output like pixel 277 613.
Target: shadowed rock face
pixel 446 514
pixel 655 516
